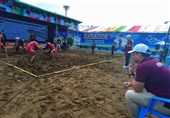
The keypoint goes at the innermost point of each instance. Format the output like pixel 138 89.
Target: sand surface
pixel 75 90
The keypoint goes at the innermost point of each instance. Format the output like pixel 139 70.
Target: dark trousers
pixel 92 49
pixel 3 41
pixel 112 52
pixel 17 46
pixel 127 58
pixel 64 47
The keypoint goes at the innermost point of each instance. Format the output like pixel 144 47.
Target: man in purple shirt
pixel 148 78
pixel 127 48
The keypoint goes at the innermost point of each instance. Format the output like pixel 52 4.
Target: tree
pixel 70 41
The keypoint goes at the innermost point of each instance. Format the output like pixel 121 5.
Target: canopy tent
pixel 134 29
pixel 122 28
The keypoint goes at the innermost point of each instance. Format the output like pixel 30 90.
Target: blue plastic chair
pixel 144 110
pixel 167 62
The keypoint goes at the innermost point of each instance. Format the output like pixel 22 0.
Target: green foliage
pixel 70 41
pixel 55 39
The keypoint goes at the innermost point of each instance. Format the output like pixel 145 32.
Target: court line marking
pixel 19 68
pixel 45 75
pixel 73 68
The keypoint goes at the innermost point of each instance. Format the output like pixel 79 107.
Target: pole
pixel 167 37
pixel 66 9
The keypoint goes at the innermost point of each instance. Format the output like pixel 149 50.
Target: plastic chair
pixel 144 110
pixel 167 62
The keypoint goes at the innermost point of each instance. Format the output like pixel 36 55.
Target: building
pixel 17 19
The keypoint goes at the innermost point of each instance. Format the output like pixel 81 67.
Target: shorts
pixel 54 50
pixel 30 50
pixel 1 44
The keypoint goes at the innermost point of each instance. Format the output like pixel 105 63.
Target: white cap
pixel 17 37
pixel 128 36
pixel 142 48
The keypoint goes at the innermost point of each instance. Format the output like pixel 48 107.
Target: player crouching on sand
pixel 2 45
pixel 51 47
pixel 19 42
pixel 30 48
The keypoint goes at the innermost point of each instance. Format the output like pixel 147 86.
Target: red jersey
pixel 128 48
pixel 51 46
pixel 30 46
pixel 1 44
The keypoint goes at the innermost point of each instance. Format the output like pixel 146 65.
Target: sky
pixel 110 12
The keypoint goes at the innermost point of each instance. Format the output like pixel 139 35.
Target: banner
pixel 104 40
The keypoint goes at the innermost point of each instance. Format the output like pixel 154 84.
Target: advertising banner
pixel 103 40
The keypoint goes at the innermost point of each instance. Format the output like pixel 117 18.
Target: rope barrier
pixel 44 75
pixel 19 69
pixel 56 72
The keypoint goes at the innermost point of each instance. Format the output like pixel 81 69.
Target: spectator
pixel 59 44
pixel 113 47
pixel 120 42
pixel 64 45
pixel 4 37
pixel 148 78
pixel 31 36
pixel 128 47
pixel 163 53
pixel 2 44
pixel 93 46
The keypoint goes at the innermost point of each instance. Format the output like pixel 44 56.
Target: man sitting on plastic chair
pixel 148 78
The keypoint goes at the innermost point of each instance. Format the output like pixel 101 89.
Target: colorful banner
pixel 103 40
pixel 122 28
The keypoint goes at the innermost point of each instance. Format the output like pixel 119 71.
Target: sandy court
pixel 75 91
